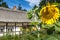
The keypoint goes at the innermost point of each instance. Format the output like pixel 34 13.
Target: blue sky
pixel 25 4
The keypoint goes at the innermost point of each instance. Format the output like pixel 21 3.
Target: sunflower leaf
pixel 34 23
pixel 52 38
pixel 57 28
pixel 29 15
pixel 57 24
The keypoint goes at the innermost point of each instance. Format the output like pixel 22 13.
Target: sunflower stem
pixel 35 19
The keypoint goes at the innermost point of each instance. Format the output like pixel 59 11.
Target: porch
pixel 12 28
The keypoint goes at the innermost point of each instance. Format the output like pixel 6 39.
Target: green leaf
pixel 52 38
pixel 57 24
pixel 34 23
pixel 29 15
pixel 47 26
pixel 57 28
pixel 56 4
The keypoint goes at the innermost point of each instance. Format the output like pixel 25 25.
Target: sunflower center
pixel 49 13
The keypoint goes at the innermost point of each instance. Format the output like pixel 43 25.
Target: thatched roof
pixel 9 15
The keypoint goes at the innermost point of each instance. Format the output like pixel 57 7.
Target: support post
pixel 15 28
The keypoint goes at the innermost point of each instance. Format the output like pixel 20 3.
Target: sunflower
pixel 49 14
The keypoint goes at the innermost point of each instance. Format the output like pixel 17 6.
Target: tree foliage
pixel 1 0
pixel 20 8
pixel 3 4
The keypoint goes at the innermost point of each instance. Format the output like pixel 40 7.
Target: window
pixel 9 29
pixel 1 29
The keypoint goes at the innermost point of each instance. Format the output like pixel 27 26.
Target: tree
pixel 19 7
pixel 3 4
pixel 43 2
pixel 58 1
pixel 24 10
pixel 34 7
pixel 1 0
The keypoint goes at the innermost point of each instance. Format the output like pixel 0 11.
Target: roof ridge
pixel 7 9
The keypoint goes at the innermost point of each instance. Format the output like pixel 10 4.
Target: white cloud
pixel 33 2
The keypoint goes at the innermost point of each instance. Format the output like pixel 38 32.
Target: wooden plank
pixel 2 24
pixel 24 23
pixel 11 24
pixel 19 24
